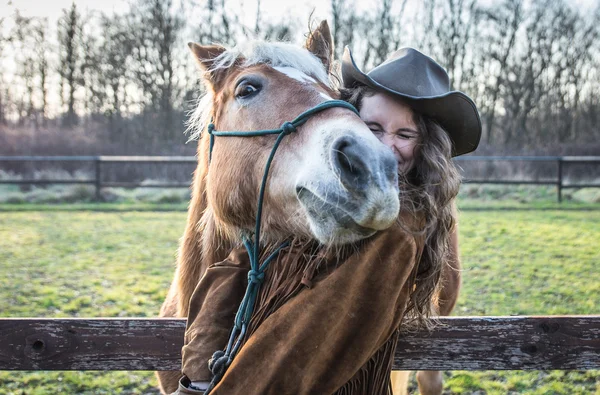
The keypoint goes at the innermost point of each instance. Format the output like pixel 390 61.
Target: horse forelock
pixel 275 55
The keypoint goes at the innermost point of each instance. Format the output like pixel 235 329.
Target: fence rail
pixel 458 343
pixel 98 161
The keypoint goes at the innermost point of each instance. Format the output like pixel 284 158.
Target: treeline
pixel 122 83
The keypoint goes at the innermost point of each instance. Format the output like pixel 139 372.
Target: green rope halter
pixel 221 360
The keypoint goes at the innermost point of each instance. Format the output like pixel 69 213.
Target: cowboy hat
pixel 424 85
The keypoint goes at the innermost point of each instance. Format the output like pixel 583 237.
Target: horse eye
pixel 245 90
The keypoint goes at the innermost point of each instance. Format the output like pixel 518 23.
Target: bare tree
pixel 115 64
pixel 154 30
pixel 454 33
pixel 532 67
pixel 278 32
pixel 258 21
pixel 428 39
pixel 94 89
pixel 576 38
pixel 503 22
pixel 345 25
pixel 218 24
pixel 69 33
pixel 22 46
pixel 545 80
pixel 388 33
pixel 41 53
pixel 372 35
pixel 3 102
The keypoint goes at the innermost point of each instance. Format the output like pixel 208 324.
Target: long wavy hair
pixel 427 192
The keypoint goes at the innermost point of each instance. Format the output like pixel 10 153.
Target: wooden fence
pixel 561 163
pixel 457 343
pixel 98 161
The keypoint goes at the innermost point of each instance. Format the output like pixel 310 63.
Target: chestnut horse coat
pixel 326 322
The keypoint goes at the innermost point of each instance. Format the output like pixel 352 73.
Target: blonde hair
pixel 427 192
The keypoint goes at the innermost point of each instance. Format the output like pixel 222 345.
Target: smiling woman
pixel 407 103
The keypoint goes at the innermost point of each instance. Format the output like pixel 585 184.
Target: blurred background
pixel 116 78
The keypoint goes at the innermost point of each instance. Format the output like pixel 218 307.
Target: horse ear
pixel 205 54
pixel 320 43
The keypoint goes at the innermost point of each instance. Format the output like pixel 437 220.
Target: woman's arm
pixel 451 276
pixel 213 306
pixel 318 340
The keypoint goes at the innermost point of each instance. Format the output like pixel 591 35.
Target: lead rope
pixel 221 360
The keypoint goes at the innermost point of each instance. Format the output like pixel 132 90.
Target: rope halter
pixel 221 360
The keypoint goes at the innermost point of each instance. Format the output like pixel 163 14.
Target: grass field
pixel 64 263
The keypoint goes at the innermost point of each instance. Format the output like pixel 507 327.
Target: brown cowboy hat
pixel 425 86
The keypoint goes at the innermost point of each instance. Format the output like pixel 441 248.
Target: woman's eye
pixel 245 90
pixel 376 131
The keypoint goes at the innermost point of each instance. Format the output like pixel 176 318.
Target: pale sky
pixel 273 8
pixel 297 11
pixel 53 8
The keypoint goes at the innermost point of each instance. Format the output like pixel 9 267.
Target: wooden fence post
pixel 98 178
pixel 559 183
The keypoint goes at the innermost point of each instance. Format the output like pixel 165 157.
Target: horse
pixel 331 181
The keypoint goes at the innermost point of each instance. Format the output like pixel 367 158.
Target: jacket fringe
pixel 297 267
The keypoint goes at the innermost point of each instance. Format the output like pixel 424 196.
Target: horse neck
pixel 201 244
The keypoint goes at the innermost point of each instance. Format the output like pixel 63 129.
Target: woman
pixel 408 105
pixel 330 323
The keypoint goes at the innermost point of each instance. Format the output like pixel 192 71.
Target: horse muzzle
pixel 357 196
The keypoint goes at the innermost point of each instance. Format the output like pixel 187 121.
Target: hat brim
pixel 454 111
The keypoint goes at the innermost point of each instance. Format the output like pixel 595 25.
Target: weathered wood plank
pixel 504 343
pixel 90 344
pixel 458 343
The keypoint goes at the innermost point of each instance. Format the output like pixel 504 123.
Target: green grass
pixel 530 262
pixel 103 263
pixel 85 264
pixel 487 193
pixel 94 206
pixel 16 196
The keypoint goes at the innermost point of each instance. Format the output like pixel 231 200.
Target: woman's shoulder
pixel 401 242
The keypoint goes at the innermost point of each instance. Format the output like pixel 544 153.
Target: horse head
pixel 331 180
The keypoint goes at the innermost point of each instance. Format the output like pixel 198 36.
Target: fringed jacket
pixel 326 322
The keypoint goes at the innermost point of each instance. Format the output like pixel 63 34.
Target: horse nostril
pixel 389 167
pixel 344 161
pixel 348 160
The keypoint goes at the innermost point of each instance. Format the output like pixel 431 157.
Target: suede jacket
pixel 326 322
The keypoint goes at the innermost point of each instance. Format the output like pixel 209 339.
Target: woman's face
pixel 392 122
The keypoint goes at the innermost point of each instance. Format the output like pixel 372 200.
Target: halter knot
pixel 218 363
pixel 255 277
pixel 210 128
pixel 288 128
